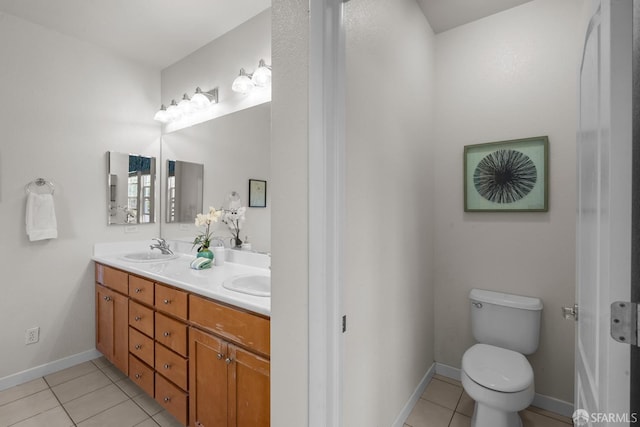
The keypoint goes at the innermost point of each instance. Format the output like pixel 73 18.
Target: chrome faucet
pixel 162 246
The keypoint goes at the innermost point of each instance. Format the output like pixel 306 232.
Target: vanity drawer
pixel 171 334
pixel 112 278
pixel 141 374
pixel 141 289
pixel 141 318
pixel 172 399
pixel 172 366
pixel 238 326
pixel 141 346
pixel 171 301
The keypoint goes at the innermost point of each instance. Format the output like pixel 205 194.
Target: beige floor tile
pixel 95 402
pixel 532 419
pixel 129 387
pixel 113 373
pixel 460 420
pixel 428 414
pixel 55 417
pixel 148 404
pixel 22 390
pixel 27 407
pixel 447 380
pixel 147 423
pixel 466 405
pixel 101 361
pixel 80 386
pixel 126 414
pixel 70 373
pixel 443 393
pixel 550 414
pixel 165 419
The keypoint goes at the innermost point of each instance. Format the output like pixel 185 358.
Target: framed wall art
pixel 510 176
pixel 257 193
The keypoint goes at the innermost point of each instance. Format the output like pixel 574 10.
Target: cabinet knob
pixel 167 334
pixel 138 290
pixel 220 356
pixel 166 301
pixel 138 346
pixel 138 376
pixel 228 360
pixel 138 318
pixel 107 299
pixel 199 424
pixel 167 366
pixel 167 399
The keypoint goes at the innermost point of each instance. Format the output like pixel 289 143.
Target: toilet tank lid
pixel 508 300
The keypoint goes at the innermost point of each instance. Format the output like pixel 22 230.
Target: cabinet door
pixel 249 395
pixel 207 380
pixel 112 324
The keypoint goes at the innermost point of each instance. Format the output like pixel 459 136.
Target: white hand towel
pixel 41 217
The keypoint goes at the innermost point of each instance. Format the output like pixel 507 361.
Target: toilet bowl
pixel 501 383
pixel 495 372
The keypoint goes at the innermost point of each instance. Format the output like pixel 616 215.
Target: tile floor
pixel 96 394
pixel 444 403
pixel 91 394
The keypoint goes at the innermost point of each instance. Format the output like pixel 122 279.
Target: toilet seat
pixel 497 368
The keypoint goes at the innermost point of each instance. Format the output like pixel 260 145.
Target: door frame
pixel 635 209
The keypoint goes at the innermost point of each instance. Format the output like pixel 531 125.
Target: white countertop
pixel 176 272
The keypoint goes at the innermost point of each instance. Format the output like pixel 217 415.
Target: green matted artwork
pixel 507 176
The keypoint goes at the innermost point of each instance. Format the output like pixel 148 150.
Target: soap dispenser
pixel 246 245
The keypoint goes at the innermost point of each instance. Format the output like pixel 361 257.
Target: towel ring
pixel 38 185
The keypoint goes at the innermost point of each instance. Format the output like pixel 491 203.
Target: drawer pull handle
pixel 107 299
pixel 167 301
pixel 228 360
pixel 138 290
pixel 167 334
pixel 138 318
pixel 138 346
pixel 138 376
pixel 167 366
pixel 167 399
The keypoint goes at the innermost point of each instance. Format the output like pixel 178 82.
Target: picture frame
pixel 507 176
pixel 257 193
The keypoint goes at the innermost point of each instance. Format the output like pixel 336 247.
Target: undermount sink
pixel 148 257
pixel 251 284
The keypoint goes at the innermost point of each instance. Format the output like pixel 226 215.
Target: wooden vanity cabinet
pixel 112 324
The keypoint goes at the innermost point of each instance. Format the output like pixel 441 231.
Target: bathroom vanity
pixel 201 350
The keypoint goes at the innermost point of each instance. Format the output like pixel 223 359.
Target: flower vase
pixel 237 242
pixel 205 253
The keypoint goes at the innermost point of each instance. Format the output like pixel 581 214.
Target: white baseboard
pixel 47 368
pixel 541 401
pixel 408 407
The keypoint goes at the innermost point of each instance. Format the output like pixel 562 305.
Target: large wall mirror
pixel 131 188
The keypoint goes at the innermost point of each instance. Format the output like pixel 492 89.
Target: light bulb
pixel 242 83
pixel 202 99
pixel 162 116
pixel 185 105
pixel 173 110
pixel 262 76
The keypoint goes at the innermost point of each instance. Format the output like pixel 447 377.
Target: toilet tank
pixel 506 320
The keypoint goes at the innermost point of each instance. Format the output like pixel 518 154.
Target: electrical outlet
pixel 32 335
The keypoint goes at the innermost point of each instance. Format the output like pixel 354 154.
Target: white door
pixel 604 210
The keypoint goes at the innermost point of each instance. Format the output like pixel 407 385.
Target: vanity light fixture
pixel 173 111
pixel 202 99
pixel 162 116
pixel 243 83
pixel 262 76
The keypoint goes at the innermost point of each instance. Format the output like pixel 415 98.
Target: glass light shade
pixel 185 105
pixel 173 111
pixel 162 116
pixel 262 76
pixel 242 83
pixel 202 100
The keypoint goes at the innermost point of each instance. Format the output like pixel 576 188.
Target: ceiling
pixel 161 32
pixel 444 15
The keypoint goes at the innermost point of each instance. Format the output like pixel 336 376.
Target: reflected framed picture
pixel 257 193
pixel 507 176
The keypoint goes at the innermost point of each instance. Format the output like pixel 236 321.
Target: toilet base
pixel 490 417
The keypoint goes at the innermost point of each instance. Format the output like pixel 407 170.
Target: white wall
pixel 390 198
pixel 511 75
pixel 65 103
pixel 289 221
pixel 234 146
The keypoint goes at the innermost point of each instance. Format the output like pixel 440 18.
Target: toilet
pixel 495 372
